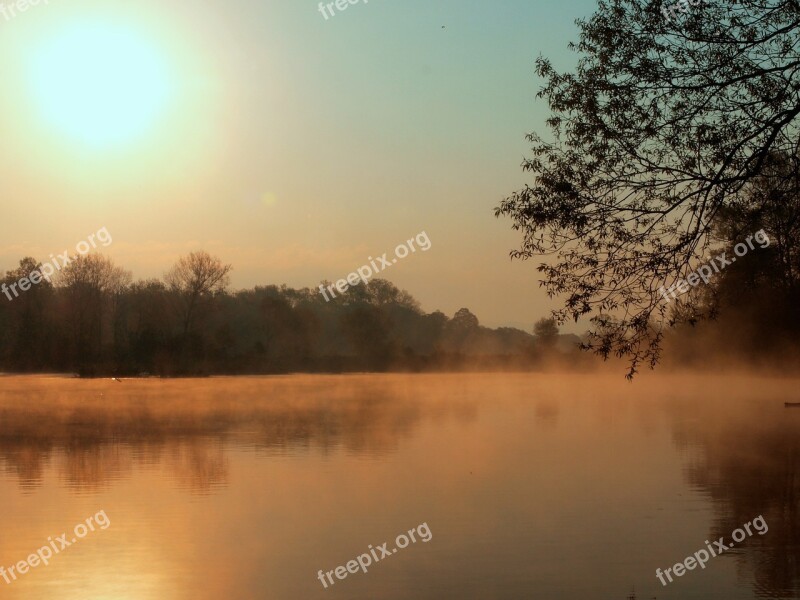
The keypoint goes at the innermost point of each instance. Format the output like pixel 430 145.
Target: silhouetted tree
pixel 195 280
pixel 147 328
pixel 92 286
pixel 463 321
pixel 771 203
pixel 546 332
pixel 663 123
pixel 24 318
pixel 753 301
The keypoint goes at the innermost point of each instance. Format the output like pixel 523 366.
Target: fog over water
pixel 557 485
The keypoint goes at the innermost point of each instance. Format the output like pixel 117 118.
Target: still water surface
pixel 533 486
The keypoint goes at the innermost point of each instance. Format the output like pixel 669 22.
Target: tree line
pixel 94 319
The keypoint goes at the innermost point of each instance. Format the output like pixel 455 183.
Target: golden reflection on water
pixel 556 486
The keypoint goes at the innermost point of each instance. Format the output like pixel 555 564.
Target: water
pixel 531 486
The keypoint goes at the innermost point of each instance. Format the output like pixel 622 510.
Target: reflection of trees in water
pixel 547 413
pixel 746 459
pixel 89 465
pixel 26 459
pixel 201 465
pixel 93 442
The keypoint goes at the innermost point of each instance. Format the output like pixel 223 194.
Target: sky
pixel 292 146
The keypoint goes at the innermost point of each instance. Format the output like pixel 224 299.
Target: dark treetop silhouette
pixel 663 125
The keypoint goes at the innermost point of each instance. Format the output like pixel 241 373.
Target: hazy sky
pixel 291 146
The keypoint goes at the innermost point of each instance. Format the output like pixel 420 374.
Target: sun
pixel 99 84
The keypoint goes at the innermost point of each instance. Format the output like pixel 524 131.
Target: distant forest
pixel 92 319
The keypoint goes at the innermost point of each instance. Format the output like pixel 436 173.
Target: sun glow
pixel 99 84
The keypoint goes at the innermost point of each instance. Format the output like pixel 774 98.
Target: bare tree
pixel 29 338
pixel 92 285
pixel 195 279
pixel 663 123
